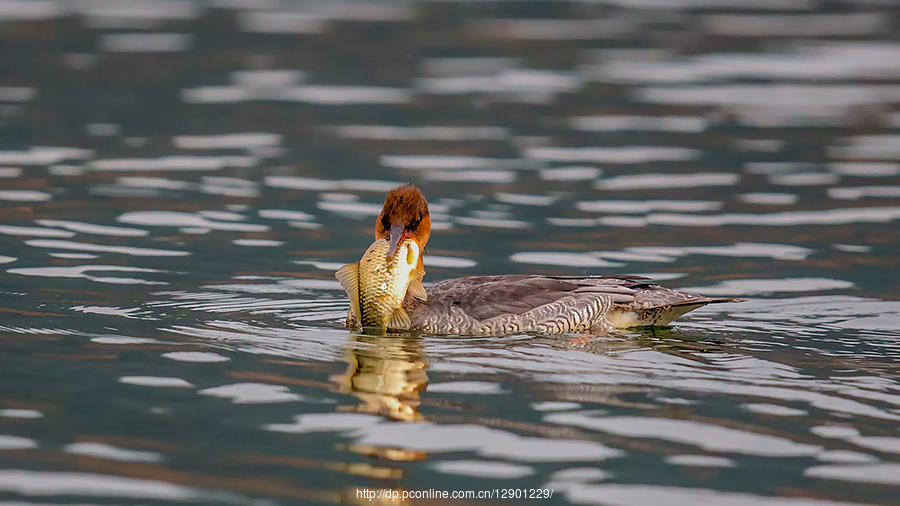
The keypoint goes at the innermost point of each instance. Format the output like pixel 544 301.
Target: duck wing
pixel 485 297
pixel 495 304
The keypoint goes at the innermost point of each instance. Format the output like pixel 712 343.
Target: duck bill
pixel 397 235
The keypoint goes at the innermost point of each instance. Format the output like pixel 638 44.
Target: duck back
pixel 498 305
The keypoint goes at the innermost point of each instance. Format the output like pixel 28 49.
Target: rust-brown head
pixel 404 214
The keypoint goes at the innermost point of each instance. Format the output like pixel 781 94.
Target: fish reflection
pixel 386 374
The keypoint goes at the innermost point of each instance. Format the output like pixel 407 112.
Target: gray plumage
pixel 499 305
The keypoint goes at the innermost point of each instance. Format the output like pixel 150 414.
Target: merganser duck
pixel 495 305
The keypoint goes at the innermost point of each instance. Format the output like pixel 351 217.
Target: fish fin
pixel 417 290
pixel 348 277
pixel 400 320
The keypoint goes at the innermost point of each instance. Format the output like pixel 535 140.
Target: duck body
pixel 509 304
pixel 505 304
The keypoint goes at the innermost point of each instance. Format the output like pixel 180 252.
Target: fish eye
pixel 412 253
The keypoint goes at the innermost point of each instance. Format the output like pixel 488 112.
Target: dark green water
pixel 179 181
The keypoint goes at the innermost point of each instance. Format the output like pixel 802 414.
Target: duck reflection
pixel 386 374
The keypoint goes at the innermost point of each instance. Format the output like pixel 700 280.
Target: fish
pixel 378 284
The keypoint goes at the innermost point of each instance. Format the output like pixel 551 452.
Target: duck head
pixel 404 214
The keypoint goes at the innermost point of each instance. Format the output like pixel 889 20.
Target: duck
pixel 497 305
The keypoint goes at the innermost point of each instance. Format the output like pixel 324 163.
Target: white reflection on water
pixel 691 124
pixel 770 199
pixel 796 25
pixel 427 436
pixel 769 286
pixel 315 184
pixel 835 216
pixel 448 262
pixel 655 181
pixel 226 141
pixel 173 163
pixel 325 266
pixel 773 409
pixel 52 483
pixel 555 406
pixel 560 480
pixel 474 221
pixel 663 254
pixel 258 243
pixel 446 162
pixel 471 176
pixel 617 155
pixel 822 62
pixel 188 220
pixel 84 271
pixel 699 461
pixel 284 214
pixel 17 93
pixel 252 393
pixel 530 85
pixel 872 147
pixel 34 231
pixel 133 312
pixel 90 228
pixel 646 206
pixel 482 468
pixel 350 208
pixel 561 258
pixel 467 387
pixel 573 173
pixel 312 94
pixel 156 381
pixel 145 42
pixel 43 155
pixel 281 22
pixel 741 249
pixel 21 413
pixel 642 495
pixel 105 451
pixel 703 435
pixel 105 248
pixel 313 343
pixel 196 357
pixel 865 169
pixel 774 105
pixel 230 187
pixel 432 133
pixel 804 179
pixel 887 473
pixel 16 443
pixel 858 192
pixel 24 195
pixel 154 182
pixel 551 29
pixel 846 457
pixel 525 199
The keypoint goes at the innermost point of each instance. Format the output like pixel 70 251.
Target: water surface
pixel 179 181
